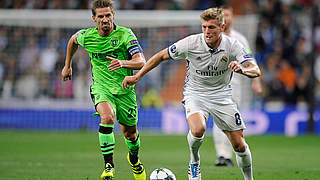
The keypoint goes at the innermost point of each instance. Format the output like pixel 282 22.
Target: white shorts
pixel 236 88
pixel 226 115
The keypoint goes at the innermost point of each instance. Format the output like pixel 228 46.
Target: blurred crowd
pixel 284 48
pixel 287 46
pixel 119 4
pixel 31 60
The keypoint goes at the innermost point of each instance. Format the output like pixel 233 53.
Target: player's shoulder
pixel 86 34
pixel 193 39
pixel 236 34
pixel 240 37
pixel 230 44
pixel 87 30
pixel 123 33
pixel 123 29
pixel 227 40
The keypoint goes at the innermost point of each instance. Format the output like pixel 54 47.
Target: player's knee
pixel 130 136
pixel 107 119
pixel 198 131
pixel 239 147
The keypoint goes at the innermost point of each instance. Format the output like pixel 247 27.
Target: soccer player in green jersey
pixel 114 52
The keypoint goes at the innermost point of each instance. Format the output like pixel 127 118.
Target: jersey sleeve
pixel 245 43
pixel 132 44
pixel 179 50
pixel 80 37
pixel 240 53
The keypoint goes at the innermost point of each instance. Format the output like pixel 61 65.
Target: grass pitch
pixel 29 155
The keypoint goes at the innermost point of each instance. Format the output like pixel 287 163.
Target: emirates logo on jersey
pixel 114 42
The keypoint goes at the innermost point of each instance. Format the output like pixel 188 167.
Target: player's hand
pixel 66 73
pixel 236 67
pixel 115 63
pixel 128 81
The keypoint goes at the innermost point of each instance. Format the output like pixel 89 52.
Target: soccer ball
pixel 162 174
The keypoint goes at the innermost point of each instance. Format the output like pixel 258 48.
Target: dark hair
pixel 101 4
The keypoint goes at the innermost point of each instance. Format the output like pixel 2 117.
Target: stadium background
pixel 48 124
pixel 284 36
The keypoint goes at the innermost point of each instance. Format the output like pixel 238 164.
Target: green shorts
pixel 123 105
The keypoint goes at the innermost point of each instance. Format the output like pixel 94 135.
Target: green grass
pixel 27 155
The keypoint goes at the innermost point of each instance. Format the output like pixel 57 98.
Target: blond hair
pixel 101 4
pixel 213 13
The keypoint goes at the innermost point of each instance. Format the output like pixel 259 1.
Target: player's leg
pixel 196 119
pixel 228 118
pixel 195 138
pixel 243 154
pixel 132 139
pixel 106 138
pixel 127 116
pixel 223 147
pixel 222 144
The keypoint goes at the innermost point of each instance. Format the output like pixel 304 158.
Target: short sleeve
pixel 80 37
pixel 245 44
pixel 132 44
pixel 241 54
pixel 179 50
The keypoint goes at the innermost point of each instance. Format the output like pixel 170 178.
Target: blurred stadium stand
pixel 285 37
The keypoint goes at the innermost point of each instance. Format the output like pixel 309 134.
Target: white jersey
pixel 208 74
pixel 238 36
pixel 239 82
pixel 236 80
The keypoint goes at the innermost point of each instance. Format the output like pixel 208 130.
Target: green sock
pixel 107 142
pixel 133 147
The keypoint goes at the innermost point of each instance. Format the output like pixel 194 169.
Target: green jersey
pixel 121 44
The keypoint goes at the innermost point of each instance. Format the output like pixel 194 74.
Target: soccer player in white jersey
pixel 221 143
pixel 212 60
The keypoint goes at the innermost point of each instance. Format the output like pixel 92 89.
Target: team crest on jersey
pixel 224 59
pixel 114 42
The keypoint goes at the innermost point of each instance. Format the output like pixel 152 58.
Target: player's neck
pixel 227 31
pixel 215 44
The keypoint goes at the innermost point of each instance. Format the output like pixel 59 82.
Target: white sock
pixel 244 161
pixel 221 143
pixel 194 145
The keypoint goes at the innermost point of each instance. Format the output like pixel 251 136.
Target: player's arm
pixel 66 73
pixel 247 68
pixel 137 62
pixel 153 62
pixel 244 63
